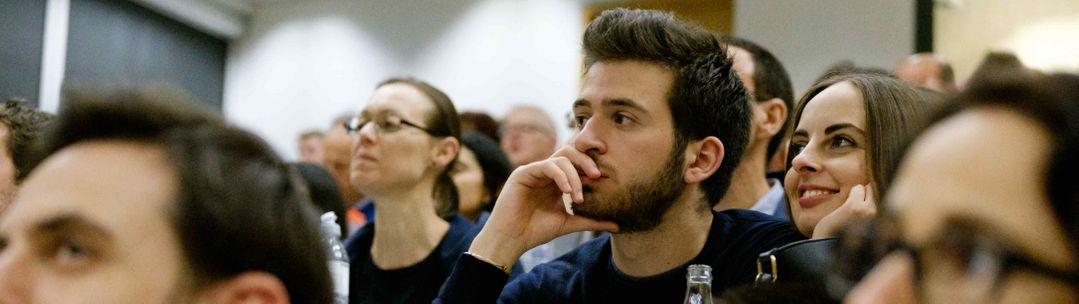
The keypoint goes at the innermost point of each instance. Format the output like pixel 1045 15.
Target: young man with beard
pixel 662 120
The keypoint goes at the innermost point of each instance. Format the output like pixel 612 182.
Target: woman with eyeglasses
pixel 405 142
pixel 847 131
pixel 985 206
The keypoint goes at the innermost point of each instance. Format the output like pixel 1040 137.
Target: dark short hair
pixel 493 162
pixel 443 122
pixel 707 97
pixel 25 125
pixel 479 122
pixel 895 112
pixel 770 80
pixel 239 208
pixel 845 67
pixel 322 188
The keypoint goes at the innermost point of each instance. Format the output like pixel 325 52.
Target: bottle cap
pixel 699 273
pixel 329 224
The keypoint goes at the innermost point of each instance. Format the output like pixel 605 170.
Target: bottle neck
pixel 699 284
pixel 698 293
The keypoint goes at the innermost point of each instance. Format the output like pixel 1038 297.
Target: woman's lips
pixel 365 157
pixel 812 196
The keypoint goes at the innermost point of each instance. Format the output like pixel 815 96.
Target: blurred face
pixel 970 199
pixel 395 159
pixel 311 150
pixel 337 155
pixel 91 226
pixel 7 170
pixel 626 127
pixel 829 147
pixel 527 136
pixel 468 176
pixel 743 66
pixel 923 71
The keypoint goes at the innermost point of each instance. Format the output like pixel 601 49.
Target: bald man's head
pixel 929 71
pixel 337 155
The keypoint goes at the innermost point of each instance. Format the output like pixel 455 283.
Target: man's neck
pixel 407 228
pixel 748 183
pixel 678 239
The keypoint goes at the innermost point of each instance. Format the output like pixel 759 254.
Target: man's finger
pixel 574 180
pixel 581 162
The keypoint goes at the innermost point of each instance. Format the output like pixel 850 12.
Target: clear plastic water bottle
pixel 339 269
pixel 699 284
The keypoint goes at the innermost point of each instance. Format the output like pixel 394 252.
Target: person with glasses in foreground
pixel 984 204
pixel 405 141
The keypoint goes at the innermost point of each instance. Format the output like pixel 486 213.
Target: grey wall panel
pixel 22 25
pixel 115 42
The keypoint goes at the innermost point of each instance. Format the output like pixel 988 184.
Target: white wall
pixel 809 36
pixel 1043 33
pixel 301 63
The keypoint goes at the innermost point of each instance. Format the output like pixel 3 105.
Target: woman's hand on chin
pixel 860 204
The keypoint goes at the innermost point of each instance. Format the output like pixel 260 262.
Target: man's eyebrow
pixel 581 103
pixel 839 126
pixel 624 102
pixel 801 133
pixel 71 223
pixel 379 112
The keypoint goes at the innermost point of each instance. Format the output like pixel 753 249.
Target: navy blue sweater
pixel 414 284
pixel 588 274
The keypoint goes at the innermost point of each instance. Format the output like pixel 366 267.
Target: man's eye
pixel 580 120
pixel 71 253
pixel 622 120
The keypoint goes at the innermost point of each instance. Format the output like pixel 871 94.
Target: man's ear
pixel 446 151
pixel 704 158
pixel 248 287
pixel 775 114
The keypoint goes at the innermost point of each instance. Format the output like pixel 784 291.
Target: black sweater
pixel 588 274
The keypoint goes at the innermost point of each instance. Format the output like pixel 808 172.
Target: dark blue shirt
pixel 588 274
pixel 414 284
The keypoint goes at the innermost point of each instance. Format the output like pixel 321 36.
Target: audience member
pixel 323 192
pixel 479 122
pixel 405 144
pixel 929 71
pixel 311 147
pixel 144 198
pixel 338 159
pixel 770 88
pixel 984 206
pixel 844 67
pixel 528 135
pixel 479 174
pixel 20 126
pixel 844 146
pixel 653 151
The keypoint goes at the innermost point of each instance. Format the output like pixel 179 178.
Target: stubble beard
pixel 642 206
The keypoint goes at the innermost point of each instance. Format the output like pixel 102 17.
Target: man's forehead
pixel 526 114
pixel 645 83
pixel 114 183
pixel 743 65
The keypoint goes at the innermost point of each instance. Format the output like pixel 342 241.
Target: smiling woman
pixel 848 130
